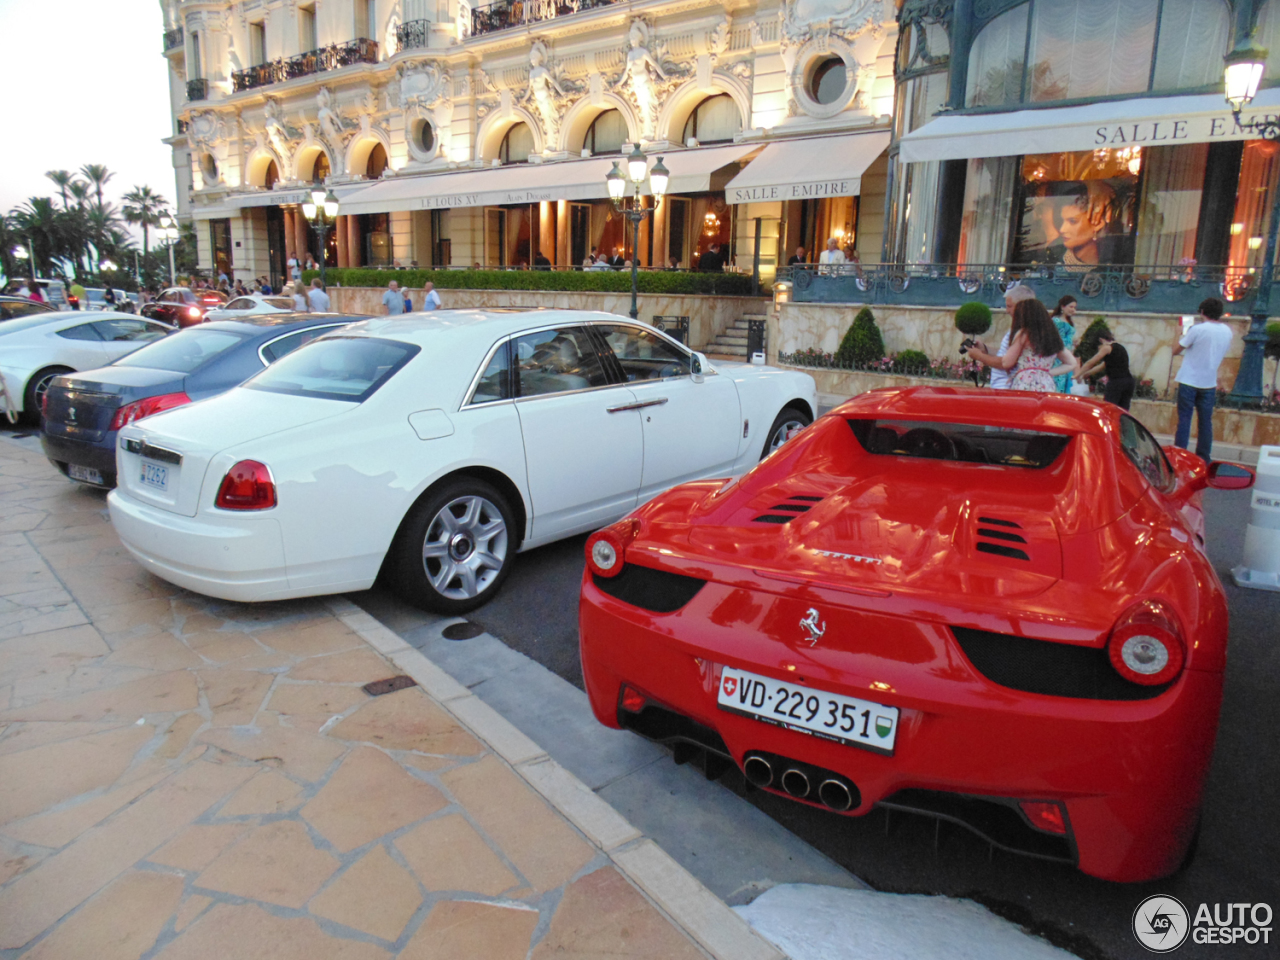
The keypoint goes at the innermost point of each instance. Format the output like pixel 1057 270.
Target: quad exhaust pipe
pixel 797 780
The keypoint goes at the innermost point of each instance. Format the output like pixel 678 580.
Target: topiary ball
pixel 911 361
pixel 973 319
pixel 1272 346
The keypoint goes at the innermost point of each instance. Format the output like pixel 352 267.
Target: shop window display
pixel 1079 209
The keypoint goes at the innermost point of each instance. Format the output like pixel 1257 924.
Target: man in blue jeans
pixel 1205 344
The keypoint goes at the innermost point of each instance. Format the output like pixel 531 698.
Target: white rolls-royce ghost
pixel 433 448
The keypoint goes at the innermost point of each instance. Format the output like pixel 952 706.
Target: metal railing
pixel 675 327
pixel 1117 289
pixel 197 90
pixel 173 39
pixel 514 13
pixel 413 34
pixel 332 57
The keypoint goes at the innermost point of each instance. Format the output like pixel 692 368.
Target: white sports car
pixel 434 448
pixel 36 348
pixel 250 305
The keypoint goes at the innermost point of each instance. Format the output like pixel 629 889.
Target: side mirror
pixel 1230 476
pixel 1191 471
pixel 698 367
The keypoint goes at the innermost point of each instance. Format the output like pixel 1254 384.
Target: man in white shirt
pixel 833 253
pixel 1013 296
pixel 1204 347
pixel 393 299
pixel 430 299
pixel 319 299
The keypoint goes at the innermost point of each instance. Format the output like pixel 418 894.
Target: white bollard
pixel 758 359
pixel 1261 566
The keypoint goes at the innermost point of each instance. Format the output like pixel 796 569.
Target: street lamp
pixel 321 210
pixel 632 207
pixel 169 233
pixel 1242 75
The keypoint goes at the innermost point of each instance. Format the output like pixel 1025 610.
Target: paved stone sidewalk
pixel 182 777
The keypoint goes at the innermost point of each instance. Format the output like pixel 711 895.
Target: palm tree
pixel 42 224
pixel 98 175
pixel 79 189
pixel 144 207
pixel 61 179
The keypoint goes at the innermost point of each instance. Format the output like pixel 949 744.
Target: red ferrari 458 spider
pixel 993 609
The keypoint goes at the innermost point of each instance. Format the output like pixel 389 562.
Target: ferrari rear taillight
pixel 247 486
pixel 1045 815
pixel 1146 645
pixel 133 412
pixel 607 548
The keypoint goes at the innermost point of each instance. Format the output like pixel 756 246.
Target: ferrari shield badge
pixel 813 627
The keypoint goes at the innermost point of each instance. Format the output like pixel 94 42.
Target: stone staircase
pixel 732 344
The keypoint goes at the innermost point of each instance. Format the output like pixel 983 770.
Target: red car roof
pixel 1054 412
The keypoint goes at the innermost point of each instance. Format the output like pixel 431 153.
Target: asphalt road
pixel 536 613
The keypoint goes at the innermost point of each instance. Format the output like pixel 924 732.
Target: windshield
pixel 336 368
pixel 960 442
pixel 184 351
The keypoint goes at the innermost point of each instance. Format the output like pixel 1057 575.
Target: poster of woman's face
pixel 1078 223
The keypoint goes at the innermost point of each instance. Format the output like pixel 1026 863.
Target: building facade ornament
pixel 814 30
pixel 279 135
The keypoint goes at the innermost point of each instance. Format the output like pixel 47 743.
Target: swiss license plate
pixel 803 709
pixel 154 475
pixel 85 474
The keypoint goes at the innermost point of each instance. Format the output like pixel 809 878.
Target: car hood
pixel 196 433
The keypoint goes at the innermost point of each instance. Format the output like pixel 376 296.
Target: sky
pixel 88 86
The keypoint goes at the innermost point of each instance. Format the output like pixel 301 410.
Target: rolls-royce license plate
pixel 154 475
pixel 832 716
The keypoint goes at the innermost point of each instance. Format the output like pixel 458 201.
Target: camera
pixel 966 344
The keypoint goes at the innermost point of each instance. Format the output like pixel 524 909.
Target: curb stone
pixel 695 909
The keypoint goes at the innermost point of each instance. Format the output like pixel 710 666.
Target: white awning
pixel 808 168
pixel 1142 121
pixel 268 198
pixel 691 172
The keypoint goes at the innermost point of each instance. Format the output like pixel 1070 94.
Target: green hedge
pixel 613 281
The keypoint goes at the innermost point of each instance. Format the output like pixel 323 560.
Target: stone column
pixel 300 228
pixel 660 228
pixel 354 253
pixel 642 243
pixel 340 229
pixel 288 235
pixel 564 247
pixel 546 231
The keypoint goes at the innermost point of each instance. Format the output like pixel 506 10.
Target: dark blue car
pixel 83 411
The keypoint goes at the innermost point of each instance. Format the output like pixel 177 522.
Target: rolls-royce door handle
pixel 640 404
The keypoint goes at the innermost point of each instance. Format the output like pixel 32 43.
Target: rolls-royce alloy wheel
pixel 785 426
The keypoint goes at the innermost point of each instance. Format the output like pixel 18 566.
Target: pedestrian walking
pixel 108 295
pixel 1035 355
pixel 300 301
pixel 1062 319
pixel 295 271
pixel 1204 346
pixel 393 300
pixel 319 299
pixel 1115 358
pixel 77 294
pixel 1013 296
pixel 430 299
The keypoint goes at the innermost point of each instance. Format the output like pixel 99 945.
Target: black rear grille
pixel 995 820
pixel 654 590
pixel 1003 538
pixel 1045 667
pixel 668 727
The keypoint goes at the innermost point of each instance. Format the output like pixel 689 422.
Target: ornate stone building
pixel 456 134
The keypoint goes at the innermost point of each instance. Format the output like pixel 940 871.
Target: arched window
pixel 1049 50
pixel 715 120
pixel 607 134
pixel 516 145
pixel 272 175
pixel 377 162
pixel 320 169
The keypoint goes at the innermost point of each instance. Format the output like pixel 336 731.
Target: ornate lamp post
pixel 1243 74
pixel 633 207
pixel 169 233
pixel 321 212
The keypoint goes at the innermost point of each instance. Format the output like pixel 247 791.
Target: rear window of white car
pixel 184 351
pixel 336 368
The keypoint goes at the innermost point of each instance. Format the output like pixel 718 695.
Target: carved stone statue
pixel 639 76
pixel 276 131
pixel 330 122
pixel 543 88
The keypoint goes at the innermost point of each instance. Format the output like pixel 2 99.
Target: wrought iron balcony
pixel 332 57
pixel 1105 289
pixel 413 34
pixel 197 90
pixel 173 39
pixel 514 13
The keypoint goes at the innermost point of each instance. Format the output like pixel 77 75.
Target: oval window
pixel 426 138
pixel 208 167
pixel 828 80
